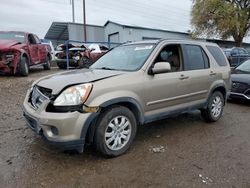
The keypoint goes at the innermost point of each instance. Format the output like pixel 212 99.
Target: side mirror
pixel 161 67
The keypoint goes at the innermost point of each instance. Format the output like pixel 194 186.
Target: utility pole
pixel 73 10
pixel 84 21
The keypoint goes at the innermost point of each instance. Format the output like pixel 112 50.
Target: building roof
pixel 145 28
pixel 59 30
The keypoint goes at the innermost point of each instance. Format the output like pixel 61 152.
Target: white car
pixel 52 50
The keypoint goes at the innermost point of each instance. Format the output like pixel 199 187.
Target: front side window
pixel 171 54
pixel 125 58
pixel 196 58
pixel 31 39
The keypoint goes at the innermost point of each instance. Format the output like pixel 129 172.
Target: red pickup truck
pixel 20 50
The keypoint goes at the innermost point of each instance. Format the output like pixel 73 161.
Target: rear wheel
pixel 214 109
pixel 47 65
pixel 23 67
pixel 116 130
pixel 61 65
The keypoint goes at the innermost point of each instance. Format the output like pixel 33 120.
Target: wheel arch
pixel 24 54
pixel 88 130
pixel 221 88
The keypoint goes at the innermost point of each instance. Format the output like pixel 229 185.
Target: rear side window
pixel 196 58
pixel 218 55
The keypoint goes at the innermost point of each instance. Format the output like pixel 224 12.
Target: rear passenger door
pixel 42 52
pixel 198 73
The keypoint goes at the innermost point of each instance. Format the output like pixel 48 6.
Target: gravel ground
pixel 182 151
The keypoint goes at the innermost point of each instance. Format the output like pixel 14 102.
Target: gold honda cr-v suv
pixel 131 85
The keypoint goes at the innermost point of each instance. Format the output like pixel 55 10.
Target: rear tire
pixel 23 67
pixel 214 109
pixel 61 65
pixel 47 66
pixel 115 131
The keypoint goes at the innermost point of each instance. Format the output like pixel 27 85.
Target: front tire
pixel 23 67
pixel 214 109
pixel 115 132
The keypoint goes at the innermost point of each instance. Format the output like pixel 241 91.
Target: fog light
pixel 54 130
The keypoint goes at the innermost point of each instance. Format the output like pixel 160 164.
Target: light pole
pixel 84 21
pixel 73 10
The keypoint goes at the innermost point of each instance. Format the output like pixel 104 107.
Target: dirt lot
pixel 190 153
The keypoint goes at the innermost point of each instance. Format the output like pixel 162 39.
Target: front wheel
pixel 214 109
pixel 23 67
pixel 116 130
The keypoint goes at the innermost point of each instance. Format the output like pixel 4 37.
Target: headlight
pixel 9 57
pixel 77 58
pixel 74 95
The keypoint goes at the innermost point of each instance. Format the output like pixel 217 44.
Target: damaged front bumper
pixel 9 61
pixel 61 130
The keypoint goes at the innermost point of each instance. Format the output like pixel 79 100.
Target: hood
pixel 245 78
pixel 8 43
pixel 57 82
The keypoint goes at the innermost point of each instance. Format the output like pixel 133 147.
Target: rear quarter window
pixel 217 55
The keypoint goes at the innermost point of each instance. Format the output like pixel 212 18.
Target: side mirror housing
pixel 161 67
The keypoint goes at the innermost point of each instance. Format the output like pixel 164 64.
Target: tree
pixel 222 18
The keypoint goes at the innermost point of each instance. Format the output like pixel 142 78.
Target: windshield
pixel 19 37
pixel 126 58
pixel 245 66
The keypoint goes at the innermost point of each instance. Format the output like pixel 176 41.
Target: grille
pixel 37 97
pixel 45 91
pixel 239 87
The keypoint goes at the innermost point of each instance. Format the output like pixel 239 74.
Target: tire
pixel 214 109
pixel 61 65
pixel 110 132
pixel 47 66
pixel 23 67
pixel 85 62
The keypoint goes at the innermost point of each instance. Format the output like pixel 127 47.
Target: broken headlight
pixel 74 95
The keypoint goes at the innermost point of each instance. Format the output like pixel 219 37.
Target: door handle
pixel 183 77
pixel 212 73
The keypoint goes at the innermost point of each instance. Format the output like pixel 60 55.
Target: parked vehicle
pixel 132 84
pixel 241 81
pixel 79 56
pixel 50 47
pixel 20 50
pixel 236 55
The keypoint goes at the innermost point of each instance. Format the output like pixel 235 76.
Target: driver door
pixel 166 91
pixel 34 50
